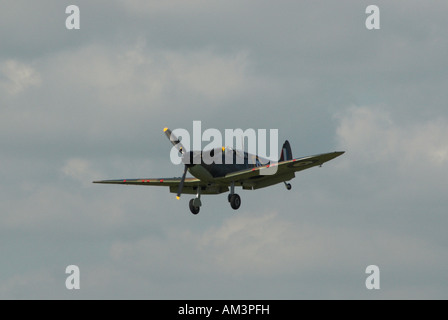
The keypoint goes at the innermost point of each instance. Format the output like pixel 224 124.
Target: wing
pixel 161 182
pixel 254 178
pixel 264 176
pixel 190 184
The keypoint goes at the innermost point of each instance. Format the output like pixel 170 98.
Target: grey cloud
pixel 76 106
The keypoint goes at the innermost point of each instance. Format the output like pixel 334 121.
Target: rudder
pixel 286 152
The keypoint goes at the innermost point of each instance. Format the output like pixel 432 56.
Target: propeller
pixel 181 184
pixel 185 155
pixel 174 140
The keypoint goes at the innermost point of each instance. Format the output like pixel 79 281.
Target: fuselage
pixel 218 162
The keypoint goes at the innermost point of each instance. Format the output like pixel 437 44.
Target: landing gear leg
pixel 232 191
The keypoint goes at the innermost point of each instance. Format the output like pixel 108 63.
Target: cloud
pixel 210 75
pixel 33 284
pixel 91 93
pixel 79 170
pixel 136 75
pixel 90 104
pixel 396 171
pixel 157 7
pixel 269 248
pixel 16 77
pixel 265 245
pixel 371 135
pixel 241 245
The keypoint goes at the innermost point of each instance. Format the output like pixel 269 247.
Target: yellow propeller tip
pixel 223 148
pixel 177 197
pixel 164 129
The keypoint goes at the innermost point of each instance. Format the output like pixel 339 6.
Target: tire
pixel 235 201
pixel 193 209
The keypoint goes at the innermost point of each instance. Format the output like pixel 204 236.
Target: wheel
pixel 228 197
pixel 288 186
pixel 235 201
pixel 193 209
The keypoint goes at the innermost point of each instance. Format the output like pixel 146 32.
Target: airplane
pixel 246 171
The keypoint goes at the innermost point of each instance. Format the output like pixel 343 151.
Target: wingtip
pixel 338 153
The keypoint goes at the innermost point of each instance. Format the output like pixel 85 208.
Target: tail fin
pixel 286 152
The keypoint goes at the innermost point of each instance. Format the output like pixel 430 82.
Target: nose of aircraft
pixel 191 158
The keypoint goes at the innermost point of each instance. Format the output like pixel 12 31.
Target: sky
pixel 91 104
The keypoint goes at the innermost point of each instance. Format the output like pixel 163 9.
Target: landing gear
pixel 235 201
pixel 195 203
pixel 233 198
pixel 288 186
pixel 193 208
